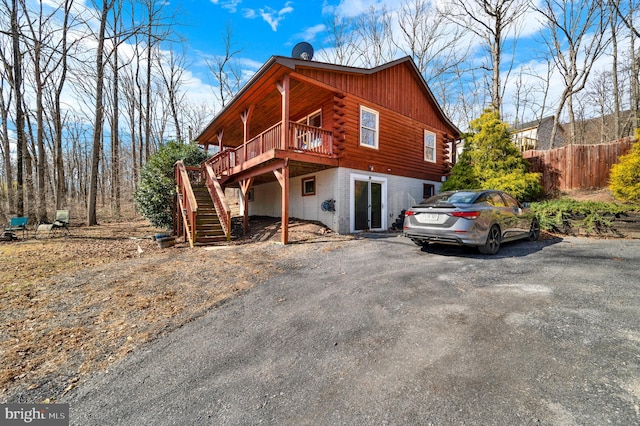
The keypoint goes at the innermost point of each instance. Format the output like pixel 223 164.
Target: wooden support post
pixel 284 91
pixel 245 186
pixel 220 134
pixel 283 178
pixel 245 116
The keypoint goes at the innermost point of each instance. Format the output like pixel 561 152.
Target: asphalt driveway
pixel 377 331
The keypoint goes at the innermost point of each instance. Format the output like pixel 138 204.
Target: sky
pixel 262 28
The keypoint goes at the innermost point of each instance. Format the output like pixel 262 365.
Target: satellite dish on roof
pixel 302 50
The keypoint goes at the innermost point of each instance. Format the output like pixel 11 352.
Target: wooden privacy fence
pixel 577 166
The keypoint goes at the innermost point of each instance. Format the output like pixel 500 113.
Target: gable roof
pixel 277 62
pixel 532 124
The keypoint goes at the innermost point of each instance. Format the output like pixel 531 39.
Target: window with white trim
pixel 429 146
pixel 369 127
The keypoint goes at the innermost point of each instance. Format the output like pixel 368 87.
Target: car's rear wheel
pixel 420 243
pixel 493 241
pixel 534 231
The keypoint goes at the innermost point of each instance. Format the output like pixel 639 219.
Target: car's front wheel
pixel 493 241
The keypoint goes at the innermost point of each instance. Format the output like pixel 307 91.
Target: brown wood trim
pixel 306 157
pixel 304 79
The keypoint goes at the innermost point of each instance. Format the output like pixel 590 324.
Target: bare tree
pixel 6 91
pixel 64 49
pixel 196 117
pixel 341 39
pixel 575 39
pixel 21 144
pixel 625 10
pixel 40 41
pixel 492 21
pixel 374 41
pixel 172 67
pixel 436 48
pixel 223 69
pixel 107 6
pixel 614 25
pixel 115 123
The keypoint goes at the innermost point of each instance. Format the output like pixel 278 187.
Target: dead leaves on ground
pixel 77 304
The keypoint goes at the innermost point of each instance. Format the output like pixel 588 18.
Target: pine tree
pixel 490 160
pixel 154 195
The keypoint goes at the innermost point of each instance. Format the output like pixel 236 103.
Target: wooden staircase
pixel 208 227
pixel 202 214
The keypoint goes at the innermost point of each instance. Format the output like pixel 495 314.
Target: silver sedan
pixel 480 218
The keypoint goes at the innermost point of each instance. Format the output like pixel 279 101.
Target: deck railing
pixel 302 138
pixel 186 200
pixel 310 139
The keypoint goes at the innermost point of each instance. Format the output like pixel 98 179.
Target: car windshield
pixel 460 197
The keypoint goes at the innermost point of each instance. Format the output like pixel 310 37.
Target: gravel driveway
pixel 377 331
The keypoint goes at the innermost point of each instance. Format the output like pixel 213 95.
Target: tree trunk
pixel 61 187
pixel 614 77
pixel 6 157
pixel 99 119
pixel 115 141
pixel 21 146
pixel 147 129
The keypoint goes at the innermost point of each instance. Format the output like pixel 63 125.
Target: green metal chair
pixel 18 224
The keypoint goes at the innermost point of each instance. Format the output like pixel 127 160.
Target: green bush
pixel 624 179
pixel 154 196
pixel 490 160
pixel 554 215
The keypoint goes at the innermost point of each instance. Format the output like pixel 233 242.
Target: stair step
pixel 209 240
pixel 208 227
pixel 209 230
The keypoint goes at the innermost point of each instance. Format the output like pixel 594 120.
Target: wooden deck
pixel 303 143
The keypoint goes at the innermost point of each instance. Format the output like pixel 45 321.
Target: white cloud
pixel 310 34
pixel 273 17
pixel 352 8
pixel 249 13
pixel 230 5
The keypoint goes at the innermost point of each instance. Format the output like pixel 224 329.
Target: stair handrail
pixel 219 200
pixel 186 200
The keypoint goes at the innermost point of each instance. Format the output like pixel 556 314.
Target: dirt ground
pixel 78 303
pixel 603 195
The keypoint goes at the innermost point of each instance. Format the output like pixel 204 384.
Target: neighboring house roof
pixel 542 135
pixel 531 124
pixel 270 68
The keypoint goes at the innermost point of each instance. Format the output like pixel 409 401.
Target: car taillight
pixel 466 215
pixel 409 213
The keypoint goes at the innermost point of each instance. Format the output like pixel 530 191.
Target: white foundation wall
pixel 335 184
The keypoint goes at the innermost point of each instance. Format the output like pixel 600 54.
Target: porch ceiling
pixel 264 96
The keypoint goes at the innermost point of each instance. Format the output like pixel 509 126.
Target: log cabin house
pixel 349 147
